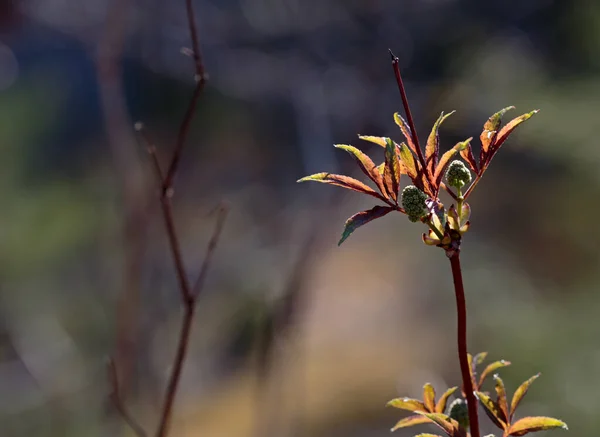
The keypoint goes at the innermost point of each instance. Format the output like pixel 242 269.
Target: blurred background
pixel 294 336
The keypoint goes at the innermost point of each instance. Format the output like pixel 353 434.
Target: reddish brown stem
pixel 461 309
pixel 409 117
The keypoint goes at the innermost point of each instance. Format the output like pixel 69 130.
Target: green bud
pixel 458 175
pixel 413 202
pixel 459 411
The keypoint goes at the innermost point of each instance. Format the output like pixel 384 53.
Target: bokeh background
pixel 294 336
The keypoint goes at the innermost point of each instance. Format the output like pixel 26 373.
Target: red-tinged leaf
pixel 366 165
pixel 490 131
pixel 507 130
pixel 432 150
pixel 520 393
pixel 403 125
pixel 449 425
pixel 381 168
pixel 445 160
pixel 429 397
pixel 467 155
pixel 491 368
pixel 407 404
pixel 501 399
pixel 431 239
pixel 533 424
pixel 472 368
pixel 342 181
pixel 440 407
pixel 362 218
pixel 380 141
pixel 391 173
pixel 492 409
pixel 410 421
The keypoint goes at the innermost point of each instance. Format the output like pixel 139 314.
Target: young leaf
pixel 510 126
pixel 342 181
pixel 408 159
pixel 501 401
pixel 443 400
pixel 391 173
pixel 492 409
pixel 467 155
pixel 365 163
pixel 405 131
pixel 410 421
pixel 362 218
pixel 520 393
pixel 491 368
pixel 445 160
pixel 449 425
pixel 427 435
pixel 407 404
pixel 376 140
pixel 490 130
pixel 432 149
pixel 533 424
pixel 429 397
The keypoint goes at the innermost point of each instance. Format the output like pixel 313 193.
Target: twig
pixel 461 308
pixel 117 400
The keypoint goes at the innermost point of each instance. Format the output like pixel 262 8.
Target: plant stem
pixel 461 309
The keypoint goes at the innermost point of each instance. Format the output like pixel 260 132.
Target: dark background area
pixel 84 261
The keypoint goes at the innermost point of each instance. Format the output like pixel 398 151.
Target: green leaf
pixel 501 400
pixel 410 421
pixel 490 130
pixel 445 160
pixel 407 404
pixel 491 368
pixel 429 397
pixel 432 149
pixel 492 409
pixel 376 140
pixel 408 159
pixel 362 218
pixel 511 126
pixel 441 403
pixel 520 393
pixel 391 173
pixel 533 424
pixel 365 163
pixel 342 181
pixel 403 125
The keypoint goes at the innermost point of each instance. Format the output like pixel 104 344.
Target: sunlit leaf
pixel 365 163
pixel 429 397
pixel 403 125
pixel 411 421
pixel 491 368
pixel 432 149
pixel 443 400
pixel 490 131
pixel 492 409
pixel 362 218
pixel 342 181
pixel 445 160
pixel 376 140
pixel 391 173
pixel 467 155
pixel 501 400
pixel 427 435
pixel 408 159
pixel 381 168
pixel 407 404
pixel 449 425
pixel 431 239
pixel 510 126
pixel 533 424
pixel 520 393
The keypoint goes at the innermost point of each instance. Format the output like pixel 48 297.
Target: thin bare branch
pixel 117 400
